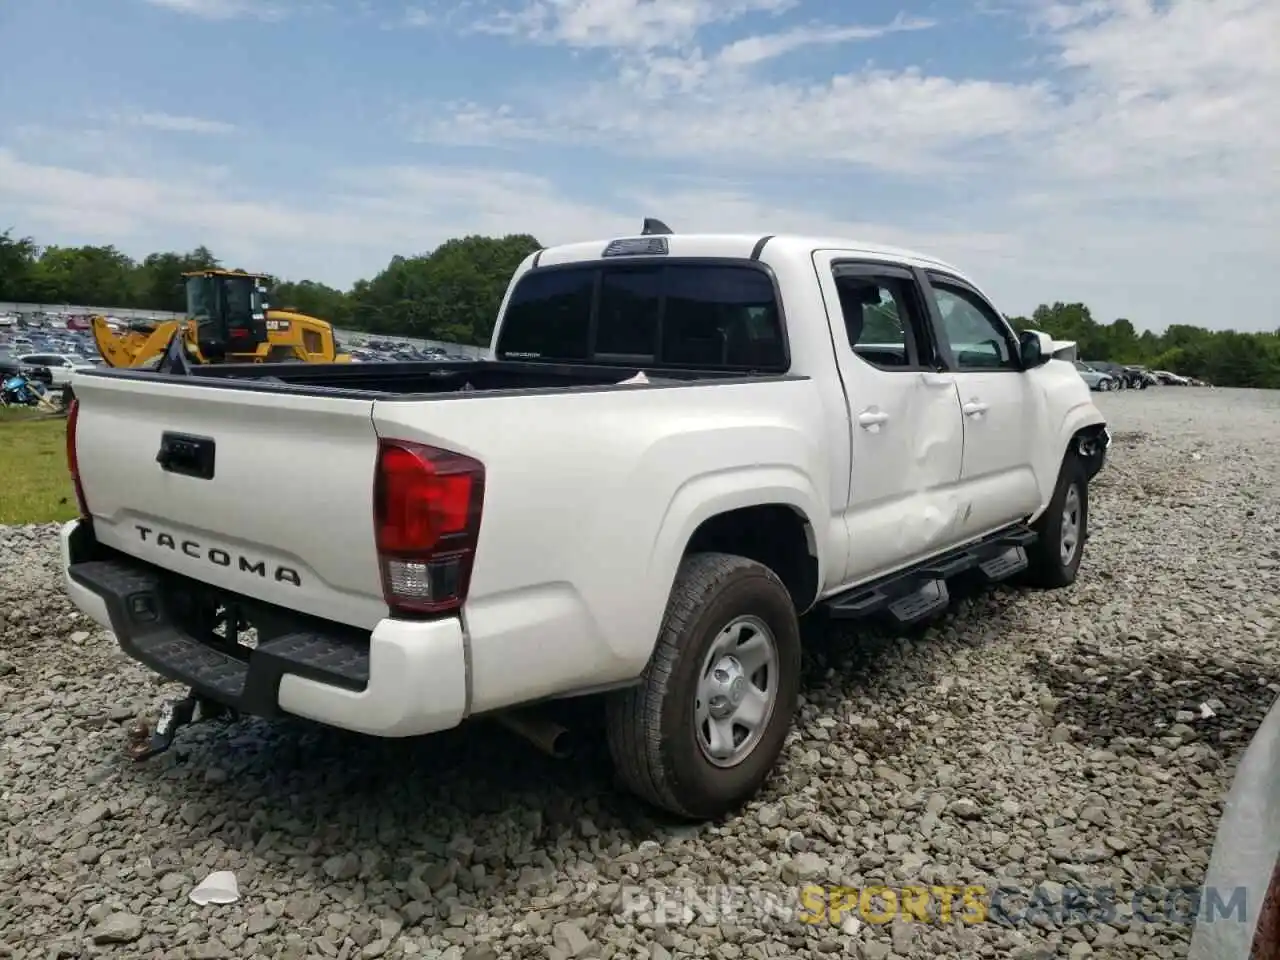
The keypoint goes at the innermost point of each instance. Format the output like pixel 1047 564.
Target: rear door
pixel 906 431
pixel 998 403
pixel 283 511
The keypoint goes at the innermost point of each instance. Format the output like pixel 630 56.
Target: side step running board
pixel 920 592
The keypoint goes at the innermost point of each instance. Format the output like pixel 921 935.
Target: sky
pixel 1123 153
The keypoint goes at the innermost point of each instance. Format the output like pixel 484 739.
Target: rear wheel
pixel 1063 529
pixel 703 730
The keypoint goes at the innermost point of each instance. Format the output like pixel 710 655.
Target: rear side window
pixel 549 316
pixel 708 316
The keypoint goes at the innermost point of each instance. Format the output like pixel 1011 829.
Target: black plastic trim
pixel 139 600
pixel 536 257
pixel 758 249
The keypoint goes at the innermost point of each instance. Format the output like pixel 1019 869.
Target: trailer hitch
pixel 174 715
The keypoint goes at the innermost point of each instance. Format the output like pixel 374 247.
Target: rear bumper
pixel 403 679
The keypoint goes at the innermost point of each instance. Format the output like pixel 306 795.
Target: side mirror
pixel 1036 348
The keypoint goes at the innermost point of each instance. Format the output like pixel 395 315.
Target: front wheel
pixel 1062 530
pixel 703 730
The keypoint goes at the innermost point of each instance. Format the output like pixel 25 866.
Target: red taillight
pixel 73 461
pixel 426 515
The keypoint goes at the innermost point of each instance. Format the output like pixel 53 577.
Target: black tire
pixel 651 729
pixel 1047 568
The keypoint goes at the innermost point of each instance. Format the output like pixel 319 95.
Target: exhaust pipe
pixel 547 735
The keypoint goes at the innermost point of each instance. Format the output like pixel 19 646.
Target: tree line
pixel 1225 358
pixel 452 293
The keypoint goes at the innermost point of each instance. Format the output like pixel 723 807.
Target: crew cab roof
pixel 741 246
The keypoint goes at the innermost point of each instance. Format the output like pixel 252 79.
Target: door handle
pixel 872 419
pixel 189 456
pixel 974 408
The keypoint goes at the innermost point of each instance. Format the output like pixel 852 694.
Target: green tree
pixel 313 299
pixel 450 294
pixel 17 261
pixel 84 275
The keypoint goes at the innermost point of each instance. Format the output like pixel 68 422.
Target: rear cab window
pixel 700 315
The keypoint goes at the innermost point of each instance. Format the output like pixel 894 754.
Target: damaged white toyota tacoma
pixel 677 446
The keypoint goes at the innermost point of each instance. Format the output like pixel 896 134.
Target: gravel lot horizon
pixel 1029 743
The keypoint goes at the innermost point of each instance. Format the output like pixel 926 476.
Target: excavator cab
pixel 229 309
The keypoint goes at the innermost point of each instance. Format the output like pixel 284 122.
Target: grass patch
pixel 34 484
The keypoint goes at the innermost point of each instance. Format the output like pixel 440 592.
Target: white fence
pixel 124 313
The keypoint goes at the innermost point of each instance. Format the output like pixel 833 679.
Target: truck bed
pixel 279 508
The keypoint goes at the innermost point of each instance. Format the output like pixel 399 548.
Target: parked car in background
pixel 60 365
pixel 1139 378
pixel 1114 370
pixel 1096 379
pixel 1170 379
pixel 11 366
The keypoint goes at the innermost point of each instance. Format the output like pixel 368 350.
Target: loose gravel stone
pixel 1039 745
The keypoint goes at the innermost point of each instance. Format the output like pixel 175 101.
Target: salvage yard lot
pixel 1027 740
pixel 34 484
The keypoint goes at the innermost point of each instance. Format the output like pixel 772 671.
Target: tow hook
pixel 174 715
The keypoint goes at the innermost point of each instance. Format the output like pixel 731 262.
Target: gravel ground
pixel 1034 744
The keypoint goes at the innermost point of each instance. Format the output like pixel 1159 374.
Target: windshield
pixel 237 294
pixel 200 304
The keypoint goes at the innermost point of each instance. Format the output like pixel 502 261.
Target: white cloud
pixel 225 9
pixel 369 214
pixel 762 47
pixel 690 109
pixel 1137 165
pixel 173 123
pixel 1135 170
pixel 418 17
pixel 621 24
pixel 350 227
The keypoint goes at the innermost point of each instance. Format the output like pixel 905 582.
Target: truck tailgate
pixel 286 514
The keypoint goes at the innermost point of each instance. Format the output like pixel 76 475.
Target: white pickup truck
pixel 678 445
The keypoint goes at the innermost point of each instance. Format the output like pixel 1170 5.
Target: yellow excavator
pixel 228 321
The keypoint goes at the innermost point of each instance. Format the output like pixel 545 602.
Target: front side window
pixel 977 338
pixel 706 316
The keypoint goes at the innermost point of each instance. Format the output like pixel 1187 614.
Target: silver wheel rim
pixel 736 691
pixel 1070 524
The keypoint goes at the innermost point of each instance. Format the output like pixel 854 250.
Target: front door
pixel 998 406
pixel 904 415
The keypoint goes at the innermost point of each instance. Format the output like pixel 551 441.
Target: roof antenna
pixel 653 226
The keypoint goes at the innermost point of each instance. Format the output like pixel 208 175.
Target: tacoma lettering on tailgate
pixel 218 556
